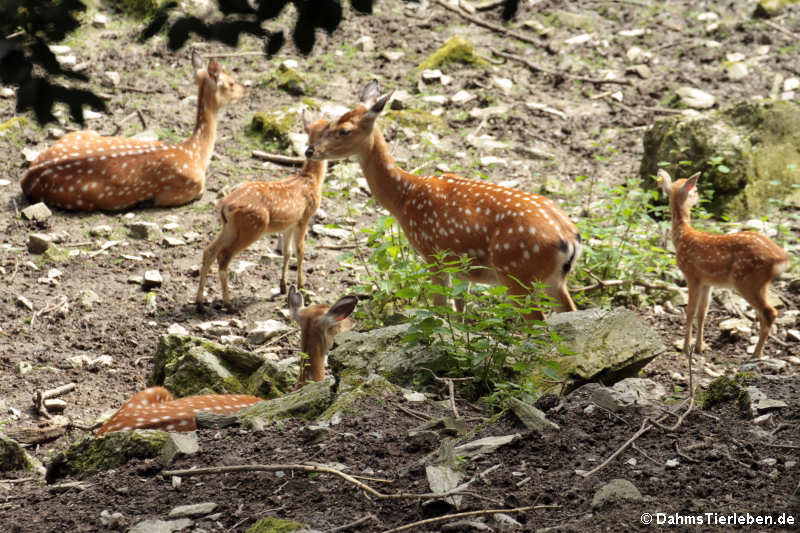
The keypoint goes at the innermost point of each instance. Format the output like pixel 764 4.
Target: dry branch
pixel 36 435
pixel 536 68
pixel 469 513
pixel 488 25
pixel 277 158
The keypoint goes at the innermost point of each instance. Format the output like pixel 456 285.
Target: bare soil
pixel 731 464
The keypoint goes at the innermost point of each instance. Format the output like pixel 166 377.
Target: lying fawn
pixel 155 408
pixel 746 261
pixel 84 171
pixel 257 208
pixel 319 324
pixel 515 238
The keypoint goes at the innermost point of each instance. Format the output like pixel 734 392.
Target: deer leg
pixel 225 257
pixel 286 255
pixel 209 254
pixel 691 307
pixel 766 316
pixel 702 309
pixel 300 249
pixel 443 279
pixel 560 293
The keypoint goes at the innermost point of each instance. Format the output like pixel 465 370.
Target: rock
pixel 504 84
pixel 462 97
pixel 400 100
pixel 88 114
pixel 172 241
pixel 179 445
pixel 413 396
pixel 161 526
pixel 770 8
pixel 456 50
pixel 630 394
pixel 307 402
pixel 465 526
pixel 99 20
pixel 111 520
pixel 382 351
pixel 92 454
pixel 103 230
pixel 38 212
pixel 30 154
pixel 13 456
pixel 7 92
pixel 336 233
pixel 431 75
pixel 757 403
pixel 755 141
pixel 615 490
pixel 485 445
pixel 722 389
pixel 210 420
pixel 641 70
pixel 152 279
pixel 261 332
pixel 177 329
pixel 695 98
pixel 737 328
pixel 365 44
pixel 143 230
pixel 87 298
pixel 530 416
pixel 506 523
pixel 197 509
pixel 737 71
pixel 23 367
pixel 391 56
pixel 314 434
pixel 441 479
pixel 24 302
pixel 489 112
pixel 111 78
pixel 59 49
pixel 607 345
pixel 435 99
pixel 354 388
pixel 38 243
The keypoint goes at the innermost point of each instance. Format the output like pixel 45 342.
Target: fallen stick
pixel 278 158
pixel 646 426
pixel 469 513
pixel 345 527
pixel 537 68
pixel 488 25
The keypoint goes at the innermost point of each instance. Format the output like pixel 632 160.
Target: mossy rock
pixel 287 80
pixel 275 525
pixel 13 456
pixel 353 388
pixel 274 126
pixel 755 142
pixel 723 389
pixel 94 454
pixel 770 8
pixel 415 119
pixel 456 50
pixel 140 7
pixel 307 402
pixel 13 122
pixel 188 365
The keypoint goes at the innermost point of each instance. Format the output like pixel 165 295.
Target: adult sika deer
pixel 155 408
pixel 84 171
pixel 515 237
pixel 256 208
pixel 746 261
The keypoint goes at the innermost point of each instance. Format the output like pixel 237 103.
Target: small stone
pixel 641 70
pixel 171 226
pixel 88 114
pixel 111 78
pixel 179 445
pixel 191 236
pixel 504 84
pixel 161 526
pixel 365 44
pixel 492 160
pixel 38 243
pixel 7 92
pixel 103 230
pixel 791 84
pixel 242 266
pixel 30 154
pixel 695 98
pixel 392 56
pixel 462 97
pixel 762 419
pixel 793 335
pixel 615 490
pixel 99 20
pixel 738 328
pixel 67 60
pixel 197 509
pixel 336 233
pixel 436 99
pixel 112 520
pixel 55 133
pixel 638 32
pixel 263 331
pixel 152 279
pixel 708 16
pixel 38 212
pixel 579 39
pixel 143 230
pixel 738 71
pixel 60 49
pixel 87 298
pixel 431 75
pixel 173 241
pixel 236 340
pixel 23 367
pixel 24 302
pixel 413 396
pixel 671 463
pixel 177 329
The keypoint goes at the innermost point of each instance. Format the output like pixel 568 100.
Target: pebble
pixel 38 243
pixel 111 77
pixel 177 329
pixel 462 97
pixel 695 98
pixel 38 212
pixel 365 44
pixel 152 279
pixel 99 20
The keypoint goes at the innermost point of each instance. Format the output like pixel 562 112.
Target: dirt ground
pixel 732 466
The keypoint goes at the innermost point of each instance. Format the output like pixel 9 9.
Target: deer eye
pixel 344 132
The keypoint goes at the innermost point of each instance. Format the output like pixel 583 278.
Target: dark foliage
pixel 28 26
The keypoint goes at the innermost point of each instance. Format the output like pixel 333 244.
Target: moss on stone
pixel 723 389
pixel 13 122
pixel 93 454
pixel 287 80
pixel 456 50
pixel 274 126
pixel 306 403
pixel 415 119
pixel 13 456
pixel 353 388
pixel 275 525
pixel 141 7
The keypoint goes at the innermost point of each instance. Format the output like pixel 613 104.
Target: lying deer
pixel 515 238
pixel 746 261
pixel 257 208
pixel 155 408
pixel 84 171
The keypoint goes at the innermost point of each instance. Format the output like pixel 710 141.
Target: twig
pixel 635 447
pixel 679 452
pixel 277 158
pixel 312 468
pixel 781 29
pixel 612 413
pixel 413 413
pixel 119 124
pixel 39 397
pixel 784 446
pixel 105 247
pixel 20 480
pixel 450 388
pixel 469 513
pixel 682 417
pixel 494 27
pixel 136 89
pixel 232 54
pixel 646 426
pixel 537 68
pixel 345 527
pixel 637 282
pixel 77 244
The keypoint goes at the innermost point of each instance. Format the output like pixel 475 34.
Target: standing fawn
pixel 85 171
pixel 746 261
pixel 257 208
pixel 155 408
pixel 515 238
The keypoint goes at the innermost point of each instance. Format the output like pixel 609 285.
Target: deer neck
pixel 389 183
pixel 201 144
pixel 316 171
pixel 680 222
pixel 314 367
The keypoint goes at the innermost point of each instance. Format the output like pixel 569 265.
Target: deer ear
pixel 295 301
pixel 370 93
pixel 665 181
pixel 213 69
pixel 306 121
pixel 691 182
pixel 378 106
pixel 338 312
pixel 197 62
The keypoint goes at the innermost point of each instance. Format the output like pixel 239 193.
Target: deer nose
pixel 309 152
